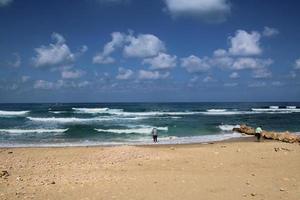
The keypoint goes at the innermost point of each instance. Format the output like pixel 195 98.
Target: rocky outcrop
pixel 281 136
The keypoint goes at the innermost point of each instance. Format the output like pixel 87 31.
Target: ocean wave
pixel 145 130
pixel 144 140
pixel 81 120
pixel 57 112
pixel 227 127
pixel 225 112
pixel 276 109
pixel 4 113
pixel 96 110
pixel 26 131
pixel 121 112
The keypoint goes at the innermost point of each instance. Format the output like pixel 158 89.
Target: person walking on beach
pixel 258 132
pixel 154 135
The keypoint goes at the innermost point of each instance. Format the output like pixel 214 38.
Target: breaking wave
pixel 24 131
pixel 227 127
pixel 145 130
pixel 4 113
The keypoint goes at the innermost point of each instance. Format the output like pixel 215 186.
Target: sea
pixel 90 124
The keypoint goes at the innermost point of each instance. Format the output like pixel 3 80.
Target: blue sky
pixel 138 50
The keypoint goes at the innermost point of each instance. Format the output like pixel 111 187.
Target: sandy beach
pixel 224 170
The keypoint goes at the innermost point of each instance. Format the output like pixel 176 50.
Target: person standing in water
pixel 154 135
pixel 258 132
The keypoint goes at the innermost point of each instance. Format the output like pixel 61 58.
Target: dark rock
pixel 4 174
pixel 281 136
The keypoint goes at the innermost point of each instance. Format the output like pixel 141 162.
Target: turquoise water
pixel 131 123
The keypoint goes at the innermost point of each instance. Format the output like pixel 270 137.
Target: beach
pixel 241 169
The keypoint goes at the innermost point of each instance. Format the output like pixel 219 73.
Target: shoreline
pixel 234 139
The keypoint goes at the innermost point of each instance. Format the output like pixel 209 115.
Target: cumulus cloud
pixel 268 31
pixel 152 75
pixel 25 78
pixel 72 74
pixel 208 79
pixel 245 44
pixel 140 46
pixel 48 85
pixel 5 2
pixel 194 64
pixel 297 64
pixel 124 74
pixel 42 84
pixel 250 63
pixel 277 83
pixel 206 10
pixel 257 84
pixel 262 73
pixel 234 75
pixel 57 53
pixel 144 45
pixel 104 56
pixel 161 61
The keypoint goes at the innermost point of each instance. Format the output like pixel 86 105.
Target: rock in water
pixel 281 136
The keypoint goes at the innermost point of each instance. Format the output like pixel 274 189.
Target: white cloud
pixel 144 45
pixel 208 79
pixel 257 84
pixel 152 75
pixel 297 64
pixel 124 74
pixel 53 54
pixel 141 46
pixel 83 84
pixel 268 31
pixel 161 61
pixel 206 10
pixel 234 75
pixel 250 63
pixel 220 52
pixel 5 2
pixel 84 49
pixel 72 74
pixel 100 59
pixel 42 84
pixel 104 56
pixel 245 44
pixel 195 64
pixel 24 79
pixel 277 83
pixel 262 73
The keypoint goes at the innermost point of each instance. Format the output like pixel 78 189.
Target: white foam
pixel 227 127
pixel 278 110
pixel 81 120
pixel 291 107
pixel 144 140
pixel 24 131
pixel 4 113
pixel 97 110
pixel 216 110
pixel 145 130
pixel 226 112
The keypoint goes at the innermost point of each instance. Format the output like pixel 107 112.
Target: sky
pixel 149 51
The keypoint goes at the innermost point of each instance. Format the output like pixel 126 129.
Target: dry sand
pixel 227 170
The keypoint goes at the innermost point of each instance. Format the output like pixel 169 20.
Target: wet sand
pixel 223 170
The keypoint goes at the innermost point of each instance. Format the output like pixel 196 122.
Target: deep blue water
pixel 118 123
